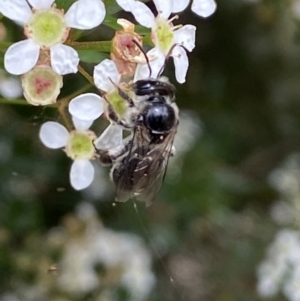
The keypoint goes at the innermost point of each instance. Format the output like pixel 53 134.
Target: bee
pixel 139 165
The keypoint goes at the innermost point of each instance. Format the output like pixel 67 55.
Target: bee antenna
pixel 145 55
pixel 168 56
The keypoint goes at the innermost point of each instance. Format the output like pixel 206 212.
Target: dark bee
pixel 140 164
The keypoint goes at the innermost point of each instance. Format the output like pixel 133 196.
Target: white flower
pixel 106 76
pixel 292 288
pixel 10 87
pixel 112 137
pixel 78 144
pixel 107 79
pixel 48 27
pixel 282 266
pixel 121 252
pixel 203 8
pixel 166 37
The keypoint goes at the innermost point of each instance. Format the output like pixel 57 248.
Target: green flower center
pixel 47 27
pixel 80 145
pixel 118 103
pixel 163 35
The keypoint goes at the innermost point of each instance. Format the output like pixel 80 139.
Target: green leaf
pixel 112 23
pixel 65 4
pixel 1 61
pixel 147 40
pixel 142 30
pixel 111 7
pixel 4 45
pixel 92 56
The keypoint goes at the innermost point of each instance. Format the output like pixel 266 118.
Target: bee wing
pixel 149 162
pixel 138 148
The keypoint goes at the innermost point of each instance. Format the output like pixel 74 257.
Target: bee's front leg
pixel 107 157
pixel 104 157
pixel 111 114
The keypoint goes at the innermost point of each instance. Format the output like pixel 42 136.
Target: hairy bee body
pixel 139 165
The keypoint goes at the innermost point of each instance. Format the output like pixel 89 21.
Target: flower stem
pixel 86 75
pixel 103 46
pixel 17 101
pixel 63 103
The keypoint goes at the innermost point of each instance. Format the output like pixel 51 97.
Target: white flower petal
pixel 11 87
pixel 21 57
pixel 81 174
pixel 142 70
pixel 53 134
pixel 64 59
pixel 104 74
pixel 126 4
pixel 143 14
pixel 204 8
pixel 110 138
pixel 82 125
pixel 88 106
pixel 164 7
pixel 179 5
pixel 85 14
pixel 181 63
pixel 186 36
pixel 16 10
pixel 41 4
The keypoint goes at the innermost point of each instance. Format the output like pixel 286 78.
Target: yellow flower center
pixel 163 34
pixel 80 145
pixel 118 103
pixel 47 27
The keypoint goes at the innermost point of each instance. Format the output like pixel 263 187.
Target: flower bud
pixel 41 85
pixel 125 53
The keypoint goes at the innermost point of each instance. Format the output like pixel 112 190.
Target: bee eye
pixel 143 87
pixel 159 118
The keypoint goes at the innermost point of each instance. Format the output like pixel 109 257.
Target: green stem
pixel 63 103
pixel 16 101
pixel 104 46
pixel 86 75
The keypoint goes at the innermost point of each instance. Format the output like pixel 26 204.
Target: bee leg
pixel 123 94
pixel 126 97
pixel 104 157
pixel 107 157
pixel 112 116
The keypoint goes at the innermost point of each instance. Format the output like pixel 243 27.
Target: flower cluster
pixel 122 253
pixel 86 258
pixel 280 270
pixel 50 49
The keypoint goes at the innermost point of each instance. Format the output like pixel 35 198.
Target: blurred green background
pixel 210 227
